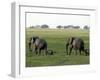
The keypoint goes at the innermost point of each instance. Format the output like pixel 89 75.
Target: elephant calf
pixel 86 51
pixel 76 44
pixel 50 52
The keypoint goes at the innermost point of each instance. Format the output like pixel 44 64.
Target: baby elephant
pixel 50 52
pixel 76 44
pixel 86 51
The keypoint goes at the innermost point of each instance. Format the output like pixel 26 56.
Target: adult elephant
pixel 76 44
pixel 40 44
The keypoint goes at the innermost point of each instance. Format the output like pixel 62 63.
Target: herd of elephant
pixel 71 43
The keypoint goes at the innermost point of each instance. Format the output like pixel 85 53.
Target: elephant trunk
pixel 67 48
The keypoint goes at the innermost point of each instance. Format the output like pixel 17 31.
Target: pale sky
pixel 54 20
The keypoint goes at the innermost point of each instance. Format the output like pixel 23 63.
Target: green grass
pixel 56 39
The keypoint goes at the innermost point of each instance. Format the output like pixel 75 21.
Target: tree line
pixel 45 26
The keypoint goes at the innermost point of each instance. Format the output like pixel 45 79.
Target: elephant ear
pixel 34 38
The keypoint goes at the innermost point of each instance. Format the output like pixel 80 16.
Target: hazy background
pixel 53 20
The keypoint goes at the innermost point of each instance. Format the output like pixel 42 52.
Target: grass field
pixel 56 39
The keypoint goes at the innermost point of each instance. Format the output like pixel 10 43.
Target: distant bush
pixel 86 27
pixel 44 26
pixel 59 27
pixel 76 27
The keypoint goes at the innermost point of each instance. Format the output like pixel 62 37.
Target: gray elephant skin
pixel 76 44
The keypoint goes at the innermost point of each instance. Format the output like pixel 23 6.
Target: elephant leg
pixel 29 46
pixel 36 50
pixel 67 48
pixel 76 51
pixel 71 47
pixel 39 51
pixel 80 51
pixel 46 52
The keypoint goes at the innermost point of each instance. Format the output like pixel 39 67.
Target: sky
pixel 53 20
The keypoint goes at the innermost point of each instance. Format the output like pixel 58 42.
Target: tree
pixel 70 26
pixel 59 27
pixel 44 26
pixel 76 27
pixel 66 27
pixel 86 27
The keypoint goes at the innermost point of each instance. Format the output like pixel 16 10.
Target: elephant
pixel 76 44
pixel 40 44
pixel 86 51
pixel 50 52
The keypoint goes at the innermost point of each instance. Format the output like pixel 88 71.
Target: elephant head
pixel 69 42
pixel 33 39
